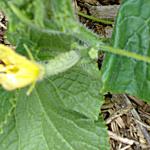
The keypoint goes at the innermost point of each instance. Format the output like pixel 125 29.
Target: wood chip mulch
pixel 128 121
pixel 3 27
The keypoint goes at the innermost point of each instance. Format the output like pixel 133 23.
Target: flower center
pixel 7 68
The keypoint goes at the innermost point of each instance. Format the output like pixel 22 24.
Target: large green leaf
pixel 132 32
pixel 77 93
pixel 47 119
pixel 61 113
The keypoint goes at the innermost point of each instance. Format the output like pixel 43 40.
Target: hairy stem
pixel 125 53
pixel 95 19
pixel 61 63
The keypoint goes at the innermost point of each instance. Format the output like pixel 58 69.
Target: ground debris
pixel 100 12
pixel 3 27
pixel 126 120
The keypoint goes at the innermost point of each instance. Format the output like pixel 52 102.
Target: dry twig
pixel 137 117
pixel 119 113
pixel 126 140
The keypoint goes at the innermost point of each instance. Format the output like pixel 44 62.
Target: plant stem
pixel 19 14
pixel 95 19
pixel 125 53
pixel 61 63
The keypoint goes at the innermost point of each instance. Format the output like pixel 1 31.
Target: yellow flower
pixel 17 71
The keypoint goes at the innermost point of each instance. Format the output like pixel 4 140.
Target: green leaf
pixel 6 106
pixel 63 15
pixel 126 75
pixel 60 113
pixel 50 39
pixel 47 119
pixel 9 140
pixel 63 110
pixel 77 93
